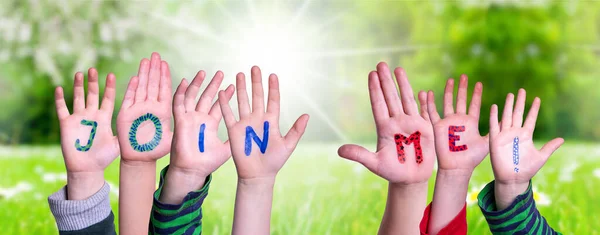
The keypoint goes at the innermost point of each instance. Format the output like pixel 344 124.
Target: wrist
pixel 408 188
pixel 506 193
pixel 82 185
pixel 179 182
pixel 453 177
pixel 260 183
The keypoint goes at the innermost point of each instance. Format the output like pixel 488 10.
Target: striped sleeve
pixel 521 217
pixel 184 218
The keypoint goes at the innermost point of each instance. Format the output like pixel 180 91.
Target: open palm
pixel 144 121
pixel 412 159
pixel 87 141
pixel 196 146
pixel 515 160
pixel 458 144
pixel 253 161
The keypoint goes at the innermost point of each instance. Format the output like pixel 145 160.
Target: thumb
pixel 550 147
pixel 359 154
pixel 295 133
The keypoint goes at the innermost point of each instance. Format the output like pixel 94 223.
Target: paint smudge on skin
pixel 201 138
pixel 452 138
pixel 516 153
pixel 251 135
pixel 90 141
pixel 415 139
pixel 157 135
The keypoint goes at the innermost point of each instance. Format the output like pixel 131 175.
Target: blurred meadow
pixel 322 52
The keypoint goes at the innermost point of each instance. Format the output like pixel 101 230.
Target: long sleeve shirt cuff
pixel 521 217
pixel 184 218
pixel 457 226
pixel 77 215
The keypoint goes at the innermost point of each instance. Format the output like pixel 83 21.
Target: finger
pixel 141 92
pixel 550 147
pixel 273 99
pixel 179 98
pixel 378 104
pixel 192 91
pixel 475 107
pixel 206 99
pixel 226 110
pixel 406 93
pixel 423 103
pixel 164 94
pixel 215 110
pixel 507 113
pixel 517 118
pixel 494 126
pixel 129 98
pixel 359 154
pixel 61 106
pixel 108 101
pixel 431 108
pixel 389 90
pixel 93 89
pixel 154 77
pixel 461 97
pixel 295 133
pixel 78 93
pixel 258 100
pixel 449 98
pixel 242 96
pixel 532 115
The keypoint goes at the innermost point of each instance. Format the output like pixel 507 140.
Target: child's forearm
pixel 178 183
pixel 404 208
pixel 505 194
pixel 253 203
pixel 451 188
pixel 82 185
pixel 137 184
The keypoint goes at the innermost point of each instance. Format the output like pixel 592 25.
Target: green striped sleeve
pixel 184 218
pixel 521 217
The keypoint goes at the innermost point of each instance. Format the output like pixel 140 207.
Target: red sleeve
pixel 458 225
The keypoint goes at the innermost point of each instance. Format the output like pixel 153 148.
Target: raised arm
pixel 144 132
pixel 88 147
pixel 460 148
pixel 405 152
pixel 259 150
pixel 507 203
pixel 196 152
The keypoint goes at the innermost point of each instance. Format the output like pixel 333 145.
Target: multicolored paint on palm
pixel 157 134
pixel 452 138
pixel 90 141
pixel 415 139
pixel 516 153
pixel 251 135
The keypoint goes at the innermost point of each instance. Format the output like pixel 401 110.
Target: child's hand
pixel 405 148
pixel 458 144
pixel 143 124
pixel 259 150
pixel 196 150
pixel 515 160
pixel 87 141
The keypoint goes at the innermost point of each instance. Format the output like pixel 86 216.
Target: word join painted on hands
pixel 90 141
pixel 157 134
pixel 251 135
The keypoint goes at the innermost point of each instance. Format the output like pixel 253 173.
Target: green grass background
pixel 316 192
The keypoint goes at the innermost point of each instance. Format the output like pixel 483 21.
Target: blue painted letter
pixel 201 138
pixel 251 135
